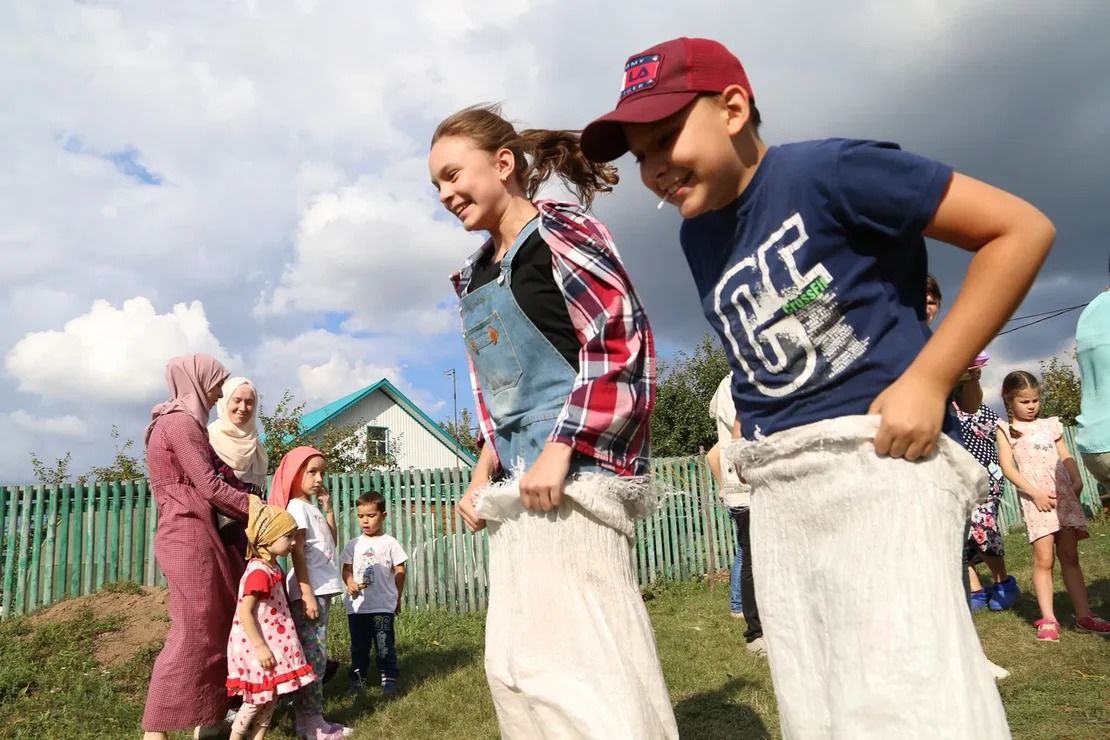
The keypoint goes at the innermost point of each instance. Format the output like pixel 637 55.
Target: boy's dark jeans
pixel 742 517
pixel 372 632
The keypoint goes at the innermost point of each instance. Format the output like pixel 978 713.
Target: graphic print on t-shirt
pixel 363 567
pixel 788 322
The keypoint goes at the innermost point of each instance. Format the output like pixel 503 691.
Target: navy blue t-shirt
pixel 815 278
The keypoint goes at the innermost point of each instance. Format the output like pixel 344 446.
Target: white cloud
pixel 319 366
pixel 112 354
pixel 375 251
pixel 61 426
pixel 338 377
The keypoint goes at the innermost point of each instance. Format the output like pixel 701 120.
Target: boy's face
pixel 689 158
pixel 370 520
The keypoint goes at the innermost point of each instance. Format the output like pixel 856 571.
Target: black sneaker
pixel 389 688
pixel 356 687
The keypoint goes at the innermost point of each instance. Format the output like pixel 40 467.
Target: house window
pixel 377 442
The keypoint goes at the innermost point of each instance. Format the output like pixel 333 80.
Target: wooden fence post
pixel 707 511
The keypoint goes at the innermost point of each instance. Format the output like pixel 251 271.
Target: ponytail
pixel 539 153
pixel 560 153
pixel 1014 434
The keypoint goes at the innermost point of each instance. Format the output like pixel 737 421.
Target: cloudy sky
pixel 249 178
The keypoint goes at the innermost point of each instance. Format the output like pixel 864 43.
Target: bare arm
pixel 348 574
pixel 300 571
pixel 1010 239
pixel 713 457
pixel 329 514
pixel 1071 465
pixel 969 394
pixel 483 471
pixel 254 634
pixel 399 580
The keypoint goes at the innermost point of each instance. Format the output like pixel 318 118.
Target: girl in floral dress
pixel 1035 458
pixel 984 542
pixel 264 655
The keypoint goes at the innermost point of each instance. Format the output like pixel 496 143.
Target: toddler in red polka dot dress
pixel 264 655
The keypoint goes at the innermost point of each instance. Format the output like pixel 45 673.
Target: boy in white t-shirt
pixel 736 495
pixel 374 573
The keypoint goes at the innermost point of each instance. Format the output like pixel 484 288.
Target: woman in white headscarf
pixel 234 433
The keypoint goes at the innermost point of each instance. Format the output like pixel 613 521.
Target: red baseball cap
pixel 659 82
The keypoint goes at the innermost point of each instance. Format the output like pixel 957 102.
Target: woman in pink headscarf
pixel 191 484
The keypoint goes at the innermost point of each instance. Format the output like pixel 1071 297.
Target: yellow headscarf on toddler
pixel 265 526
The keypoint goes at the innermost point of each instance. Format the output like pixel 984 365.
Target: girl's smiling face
pixel 471 181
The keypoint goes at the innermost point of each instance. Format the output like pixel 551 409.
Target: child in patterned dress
pixel 1035 458
pixel 264 655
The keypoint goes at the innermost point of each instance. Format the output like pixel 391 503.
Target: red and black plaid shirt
pixel 608 411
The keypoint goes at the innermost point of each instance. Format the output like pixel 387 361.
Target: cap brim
pixel 603 140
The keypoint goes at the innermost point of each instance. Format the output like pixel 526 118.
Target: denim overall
pixel 499 336
pixel 598 674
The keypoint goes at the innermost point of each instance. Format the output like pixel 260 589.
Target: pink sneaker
pixel 1047 630
pixel 1093 624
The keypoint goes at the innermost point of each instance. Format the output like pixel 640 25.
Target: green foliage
pixel 124 467
pixel 56 474
pixel 282 428
pixel 681 422
pixel 1060 390
pixel 464 432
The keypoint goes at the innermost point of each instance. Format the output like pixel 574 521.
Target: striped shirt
pixel 606 416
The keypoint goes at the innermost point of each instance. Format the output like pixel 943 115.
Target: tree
pixel 1060 391
pixel 124 467
pixel 53 476
pixel 464 432
pixel 282 428
pixel 681 422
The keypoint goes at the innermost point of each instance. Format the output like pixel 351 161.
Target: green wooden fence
pixel 70 540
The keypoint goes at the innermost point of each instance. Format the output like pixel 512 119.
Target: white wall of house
pixel 419 448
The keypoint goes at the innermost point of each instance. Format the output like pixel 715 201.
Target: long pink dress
pixel 245 676
pixel 187 686
pixel 1036 457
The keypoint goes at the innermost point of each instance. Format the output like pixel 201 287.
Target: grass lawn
pixel 50 685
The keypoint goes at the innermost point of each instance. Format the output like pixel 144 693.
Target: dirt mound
pixel 143 612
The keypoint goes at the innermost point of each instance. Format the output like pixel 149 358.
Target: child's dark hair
pixel 1012 384
pixel 539 153
pixel 932 287
pixel 371 497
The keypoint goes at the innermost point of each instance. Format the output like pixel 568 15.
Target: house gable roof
pixel 315 420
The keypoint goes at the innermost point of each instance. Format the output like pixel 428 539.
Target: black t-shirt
pixel 536 292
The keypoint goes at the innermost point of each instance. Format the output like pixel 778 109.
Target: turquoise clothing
pixel 1092 345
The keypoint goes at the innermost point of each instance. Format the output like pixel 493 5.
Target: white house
pixel 391 423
